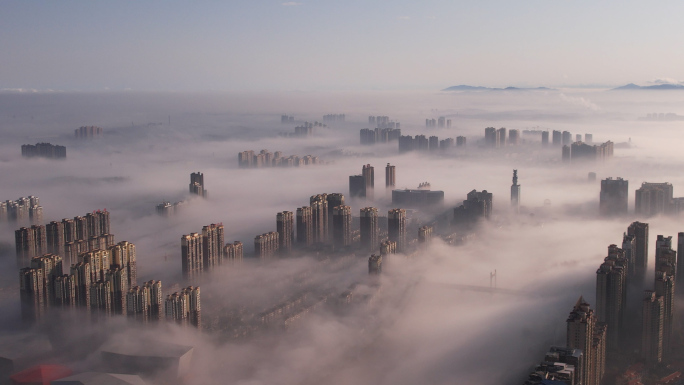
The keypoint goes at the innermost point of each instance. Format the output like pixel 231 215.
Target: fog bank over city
pixel 429 317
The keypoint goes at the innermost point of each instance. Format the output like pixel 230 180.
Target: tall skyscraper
pixel 629 247
pixel 491 137
pixel 425 235
pixel 545 138
pixel 613 197
pixel 191 252
pixel 390 176
pixel 515 193
pixel 319 217
pixel 30 242
pixel 653 199
pixel 368 173
pixel 640 231
pixel 369 229
pixel 567 138
pixel 304 226
pixel 124 257
pixel 285 228
pixel 665 288
pixel 342 219
pixel 212 245
pixel 556 138
pixel 396 228
pixel 611 295
pixel 501 137
pixel 334 200
pixel 388 247
pixel 82 276
pixel 652 328
pixel 197 184
pixel 357 186
pixel 118 280
pixel 584 333
pixel 55 238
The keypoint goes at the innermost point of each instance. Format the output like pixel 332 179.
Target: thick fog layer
pixel 427 322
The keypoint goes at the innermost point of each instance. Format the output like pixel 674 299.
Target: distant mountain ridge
pixel 632 86
pixel 464 87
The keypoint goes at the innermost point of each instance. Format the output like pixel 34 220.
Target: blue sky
pixel 335 45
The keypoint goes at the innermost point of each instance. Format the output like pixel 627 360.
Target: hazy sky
pixel 330 45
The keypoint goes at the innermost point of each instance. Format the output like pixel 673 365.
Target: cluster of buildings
pixel 331 118
pixel 650 199
pixel 496 138
pixel 88 132
pixel 286 119
pixel 422 197
pixel 595 335
pixel 43 150
pixel 379 135
pixel 580 151
pixel 477 205
pixel 250 159
pixel 422 143
pixel 67 238
pixel 304 130
pixel 383 122
pixel 441 122
pixel 22 208
pixel 205 251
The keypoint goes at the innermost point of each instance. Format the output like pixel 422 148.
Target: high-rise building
pixel 197 184
pixel 582 334
pixel 460 141
pixel 501 137
pixel 652 328
pixel 319 217
pixel 613 197
pixel 55 238
pixel 118 280
pixel 514 137
pixel 65 290
pixel 640 231
pixel 557 138
pixel 653 199
pixel 491 137
pixel 567 138
pixel 266 245
pixel 665 256
pixel 611 295
pixel 191 254
pixel 101 296
pixel 369 229
pixel 545 138
pixel 665 288
pixel 212 245
pixel 304 226
pixel 396 228
pixel 390 176
pixel 629 247
pixel 30 242
pixel 285 229
pixel 357 186
pixel 368 173
pixel 515 193
pixel 97 223
pixel 146 301
pixel 342 219
pixel 334 200
pixel 425 234
pixel 476 206
pixel 82 276
pixel 123 256
pixel 375 264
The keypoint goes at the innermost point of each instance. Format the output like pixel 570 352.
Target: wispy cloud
pixel 291 4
